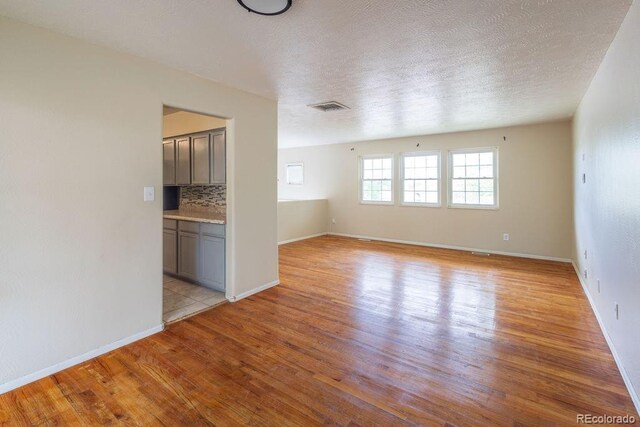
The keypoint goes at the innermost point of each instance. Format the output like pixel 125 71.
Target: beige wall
pixel 183 122
pixel 607 206
pixel 80 250
pixel 301 218
pixel 535 191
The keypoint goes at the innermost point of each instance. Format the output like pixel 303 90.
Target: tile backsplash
pixel 210 196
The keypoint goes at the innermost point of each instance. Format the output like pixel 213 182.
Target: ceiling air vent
pixel 329 106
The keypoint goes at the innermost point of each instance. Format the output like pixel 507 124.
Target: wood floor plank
pixel 358 333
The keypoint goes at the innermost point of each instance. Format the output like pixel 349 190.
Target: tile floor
pixel 183 299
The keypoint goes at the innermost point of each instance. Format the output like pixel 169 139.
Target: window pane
pixel 472 159
pixel 432 197
pixel 376 185
pixel 386 174
pixel 421 173
pixel 432 161
pixel 408 196
pixel 457 197
pixel 366 195
pixel 375 195
pixel 420 185
pixel 408 184
pixel 409 162
pixel 367 174
pixel 459 172
pixel 377 174
pixel 377 163
pixel 472 185
pixel 432 185
pixel 368 164
pixel 473 171
pixel 458 160
pixel 486 171
pixel 366 185
pixel 432 173
pixel 421 162
pixel 409 173
pixel 472 198
pixel 386 163
pixel 486 158
pixel 486 185
pixel 486 198
pixel 386 196
pixel 458 185
pixel 386 185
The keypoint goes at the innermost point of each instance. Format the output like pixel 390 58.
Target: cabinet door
pixel 200 157
pixel 188 246
pixel 183 161
pixel 169 162
pixel 170 251
pixel 211 273
pixel 219 158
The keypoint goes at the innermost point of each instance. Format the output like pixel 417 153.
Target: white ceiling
pixel 405 67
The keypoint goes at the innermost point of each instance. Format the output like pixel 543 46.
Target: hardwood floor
pixel 358 333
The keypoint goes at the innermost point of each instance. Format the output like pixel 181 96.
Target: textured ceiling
pixel 405 67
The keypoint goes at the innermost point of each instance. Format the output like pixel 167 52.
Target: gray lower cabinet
pixel 188 248
pixel 211 272
pixel 198 252
pixel 170 251
pixel 169 161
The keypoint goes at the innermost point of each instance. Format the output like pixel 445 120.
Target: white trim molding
pixel 254 291
pixel 455 248
pixel 19 382
pixel 297 239
pixel 616 357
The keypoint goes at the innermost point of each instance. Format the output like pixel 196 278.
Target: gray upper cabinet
pixel 200 158
pixel 183 160
pixel 169 161
pixel 196 159
pixel 218 157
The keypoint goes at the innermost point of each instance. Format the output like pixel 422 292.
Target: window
pixel 420 178
pixel 376 179
pixel 473 178
pixel 295 174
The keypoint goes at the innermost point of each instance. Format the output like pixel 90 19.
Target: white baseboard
pixel 19 382
pixel 623 372
pixel 284 242
pixel 254 291
pixel 457 248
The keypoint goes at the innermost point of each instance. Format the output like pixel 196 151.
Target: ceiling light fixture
pixel 266 7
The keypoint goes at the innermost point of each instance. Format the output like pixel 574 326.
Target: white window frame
pixel 439 178
pixel 496 179
pixel 361 176
pixel 286 171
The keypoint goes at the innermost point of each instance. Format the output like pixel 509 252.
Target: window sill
pixel 421 205
pixel 377 203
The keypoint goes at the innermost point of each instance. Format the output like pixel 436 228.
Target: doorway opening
pixel 194 213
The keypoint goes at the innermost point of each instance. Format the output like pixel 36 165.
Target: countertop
pixel 197 215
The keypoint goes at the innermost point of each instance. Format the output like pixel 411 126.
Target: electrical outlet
pixel 585 254
pixel 149 194
pixel 585 273
pixel 617 309
pixel 505 237
pixel 584 178
pixel 333 220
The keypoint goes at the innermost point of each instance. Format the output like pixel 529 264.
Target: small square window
pixel 295 174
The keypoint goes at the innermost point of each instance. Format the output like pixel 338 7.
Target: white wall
pixel 607 206
pixel 302 218
pixel 80 138
pixel 535 191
